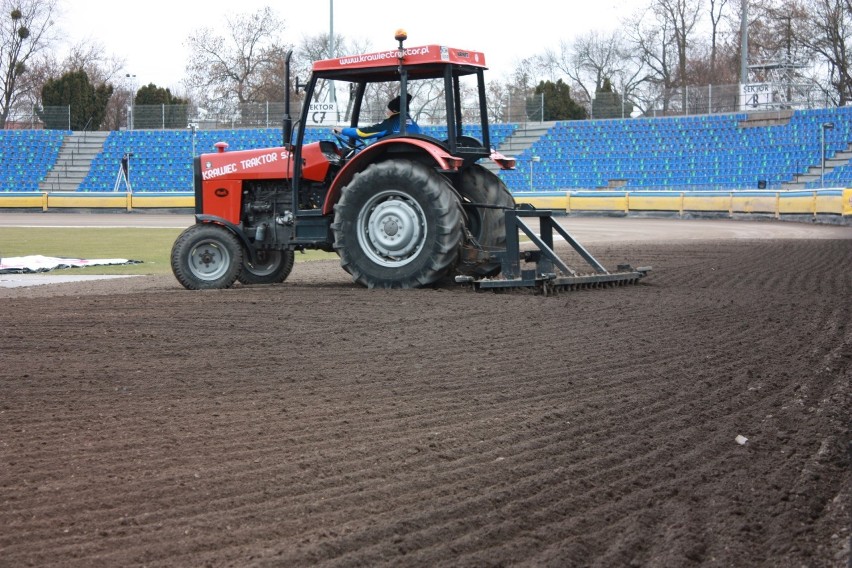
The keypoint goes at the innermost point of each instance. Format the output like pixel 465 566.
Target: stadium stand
pixel 26 157
pixel 708 152
pixel 497 132
pixel 714 152
pixel 162 159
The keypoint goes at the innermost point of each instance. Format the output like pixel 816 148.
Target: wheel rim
pixel 268 262
pixel 391 228
pixel 209 260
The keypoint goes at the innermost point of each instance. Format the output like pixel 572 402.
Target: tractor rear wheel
pixel 486 225
pixel 206 256
pixel 398 225
pixel 272 267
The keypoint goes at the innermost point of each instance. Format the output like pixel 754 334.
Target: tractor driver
pixel 390 125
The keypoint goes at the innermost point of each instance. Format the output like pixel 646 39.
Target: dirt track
pixel 319 423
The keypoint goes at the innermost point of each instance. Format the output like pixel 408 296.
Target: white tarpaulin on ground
pixel 39 263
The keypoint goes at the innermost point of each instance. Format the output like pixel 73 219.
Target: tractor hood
pixel 263 163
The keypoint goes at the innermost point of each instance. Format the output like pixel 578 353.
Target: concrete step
pixel 74 161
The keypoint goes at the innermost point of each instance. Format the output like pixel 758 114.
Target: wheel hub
pixel 209 260
pixel 392 229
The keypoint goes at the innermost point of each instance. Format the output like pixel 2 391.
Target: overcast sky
pixel 150 36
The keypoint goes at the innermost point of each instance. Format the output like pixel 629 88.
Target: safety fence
pixel 517 106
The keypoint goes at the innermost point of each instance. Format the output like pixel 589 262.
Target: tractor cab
pixel 354 91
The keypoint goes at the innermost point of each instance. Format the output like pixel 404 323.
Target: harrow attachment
pixel 551 274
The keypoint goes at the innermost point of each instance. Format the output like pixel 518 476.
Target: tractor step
pixel 551 273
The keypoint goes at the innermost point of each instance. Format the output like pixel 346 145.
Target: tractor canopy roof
pixel 424 62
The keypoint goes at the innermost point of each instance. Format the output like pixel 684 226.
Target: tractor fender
pixel 235 229
pixel 378 152
pixel 504 162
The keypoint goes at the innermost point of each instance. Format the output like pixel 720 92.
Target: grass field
pixel 151 246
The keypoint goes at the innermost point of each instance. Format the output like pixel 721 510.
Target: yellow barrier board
pixel 799 204
pixel 656 202
pixel 545 202
pixel 795 202
pixel 88 200
pixel 828 203
pixel 764 203
pixel 32 201
pixel 166 201
pixel 707 202
pixel 603 203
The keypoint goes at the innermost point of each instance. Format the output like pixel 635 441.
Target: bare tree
pixel 25 30
pixel 651 43
pixel 236 67
pixel 828 34
pixel 91 56
pixel 588 60
pixel 664 41
pixel 315 48
pixel 497 101
pixel 682 17
pixel 520 84
pixel 716 9
pixel 592 60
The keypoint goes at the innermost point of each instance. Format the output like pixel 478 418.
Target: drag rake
pixel 551 273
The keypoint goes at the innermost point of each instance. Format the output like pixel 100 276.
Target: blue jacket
pixel 388 126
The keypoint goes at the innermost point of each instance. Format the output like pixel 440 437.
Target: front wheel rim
pixel 209 259
pixel 267 263
pixel 392 229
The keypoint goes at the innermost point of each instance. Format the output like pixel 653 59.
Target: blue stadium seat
pixel 694 152
pixel 26 157
pixel 704 152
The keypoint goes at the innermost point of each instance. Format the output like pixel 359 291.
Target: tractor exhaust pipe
pixel 287 126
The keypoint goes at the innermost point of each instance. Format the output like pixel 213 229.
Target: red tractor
pixel 406 211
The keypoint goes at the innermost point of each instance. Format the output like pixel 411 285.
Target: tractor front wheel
pixel 398 225
pixel 206 256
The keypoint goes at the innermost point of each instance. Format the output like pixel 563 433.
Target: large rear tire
pixel 398 225
pixel 206 256
pixel 486 225
pixel 272 267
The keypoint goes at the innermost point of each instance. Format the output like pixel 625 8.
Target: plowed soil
pixel 316 422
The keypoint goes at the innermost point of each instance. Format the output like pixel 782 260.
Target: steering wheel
pixel 351 145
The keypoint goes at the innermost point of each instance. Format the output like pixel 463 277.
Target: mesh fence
pixel 708 99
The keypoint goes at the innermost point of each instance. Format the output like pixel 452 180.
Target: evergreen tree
pixel 557 103
pixel 170 112
pixel 88 103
